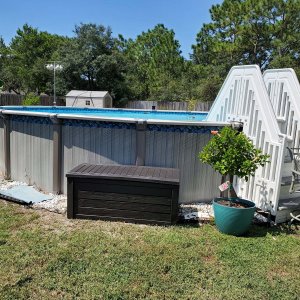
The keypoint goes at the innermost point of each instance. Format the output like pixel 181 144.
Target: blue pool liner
pixel 115 113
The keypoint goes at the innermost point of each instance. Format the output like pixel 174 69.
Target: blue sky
pixel 128 17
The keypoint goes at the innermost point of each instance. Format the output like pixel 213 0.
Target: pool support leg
pixel 6 128
pixel 141 127
pixel 57 154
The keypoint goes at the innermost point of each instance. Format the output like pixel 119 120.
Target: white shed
pixel 101 99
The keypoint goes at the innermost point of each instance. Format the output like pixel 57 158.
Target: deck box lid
pixel 127 172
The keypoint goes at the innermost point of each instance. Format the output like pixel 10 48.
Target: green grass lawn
pixel 45 256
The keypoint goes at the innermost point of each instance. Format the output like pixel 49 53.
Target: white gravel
pixel 7 184
pixel 57 204
pixel 201 212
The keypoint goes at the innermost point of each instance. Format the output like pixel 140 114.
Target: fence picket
pixel 14 99
pixel 166 105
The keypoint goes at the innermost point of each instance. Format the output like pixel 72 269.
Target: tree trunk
pixel 230 193
pixel 223 193
pixel 231 190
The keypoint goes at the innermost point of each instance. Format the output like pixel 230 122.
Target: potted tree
pixel 232 153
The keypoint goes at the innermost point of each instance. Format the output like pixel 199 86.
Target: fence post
pixel 57 154
pixel 6 146
pixel 141 127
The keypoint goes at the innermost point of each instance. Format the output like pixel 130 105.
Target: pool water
pixel 115 113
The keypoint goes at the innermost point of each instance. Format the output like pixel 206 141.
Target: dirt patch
pixel 277 273
pixel 210 258
pixel 235 204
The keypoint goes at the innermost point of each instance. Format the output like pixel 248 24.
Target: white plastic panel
pixel 284 91
pixel 249 103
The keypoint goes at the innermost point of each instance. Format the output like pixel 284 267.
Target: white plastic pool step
pixel 284 93
pixel 244 98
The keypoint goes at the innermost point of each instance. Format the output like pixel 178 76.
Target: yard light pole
pixel 55 66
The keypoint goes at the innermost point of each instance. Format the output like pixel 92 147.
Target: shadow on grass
pixel 281 229
pixel 194 223
pixel 255 230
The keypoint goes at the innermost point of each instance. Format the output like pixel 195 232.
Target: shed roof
pixel 87 94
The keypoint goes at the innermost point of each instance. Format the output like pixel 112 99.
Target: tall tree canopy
pixel 263 32
pixel 2 60
pixel 155 63
pixel 25 59
pixel 92 60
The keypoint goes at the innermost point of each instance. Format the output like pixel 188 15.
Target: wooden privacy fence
pixel 167 105
pixel 11 99
pixel 48 101
pixel 45 100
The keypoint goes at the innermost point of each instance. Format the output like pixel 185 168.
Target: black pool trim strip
pixel 188 128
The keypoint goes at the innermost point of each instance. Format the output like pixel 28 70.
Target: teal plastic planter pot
pixel 232 220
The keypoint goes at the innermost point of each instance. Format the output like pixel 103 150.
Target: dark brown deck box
pixel 135 194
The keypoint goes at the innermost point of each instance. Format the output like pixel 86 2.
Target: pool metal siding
pixel 96 145
pixel 101 141
pixel 2 158
pixel 32 153
pixel 198 182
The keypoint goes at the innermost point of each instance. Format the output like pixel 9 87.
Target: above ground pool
pixel 114 113
pixel 39 145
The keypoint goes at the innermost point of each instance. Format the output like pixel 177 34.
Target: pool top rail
pixel 189 118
